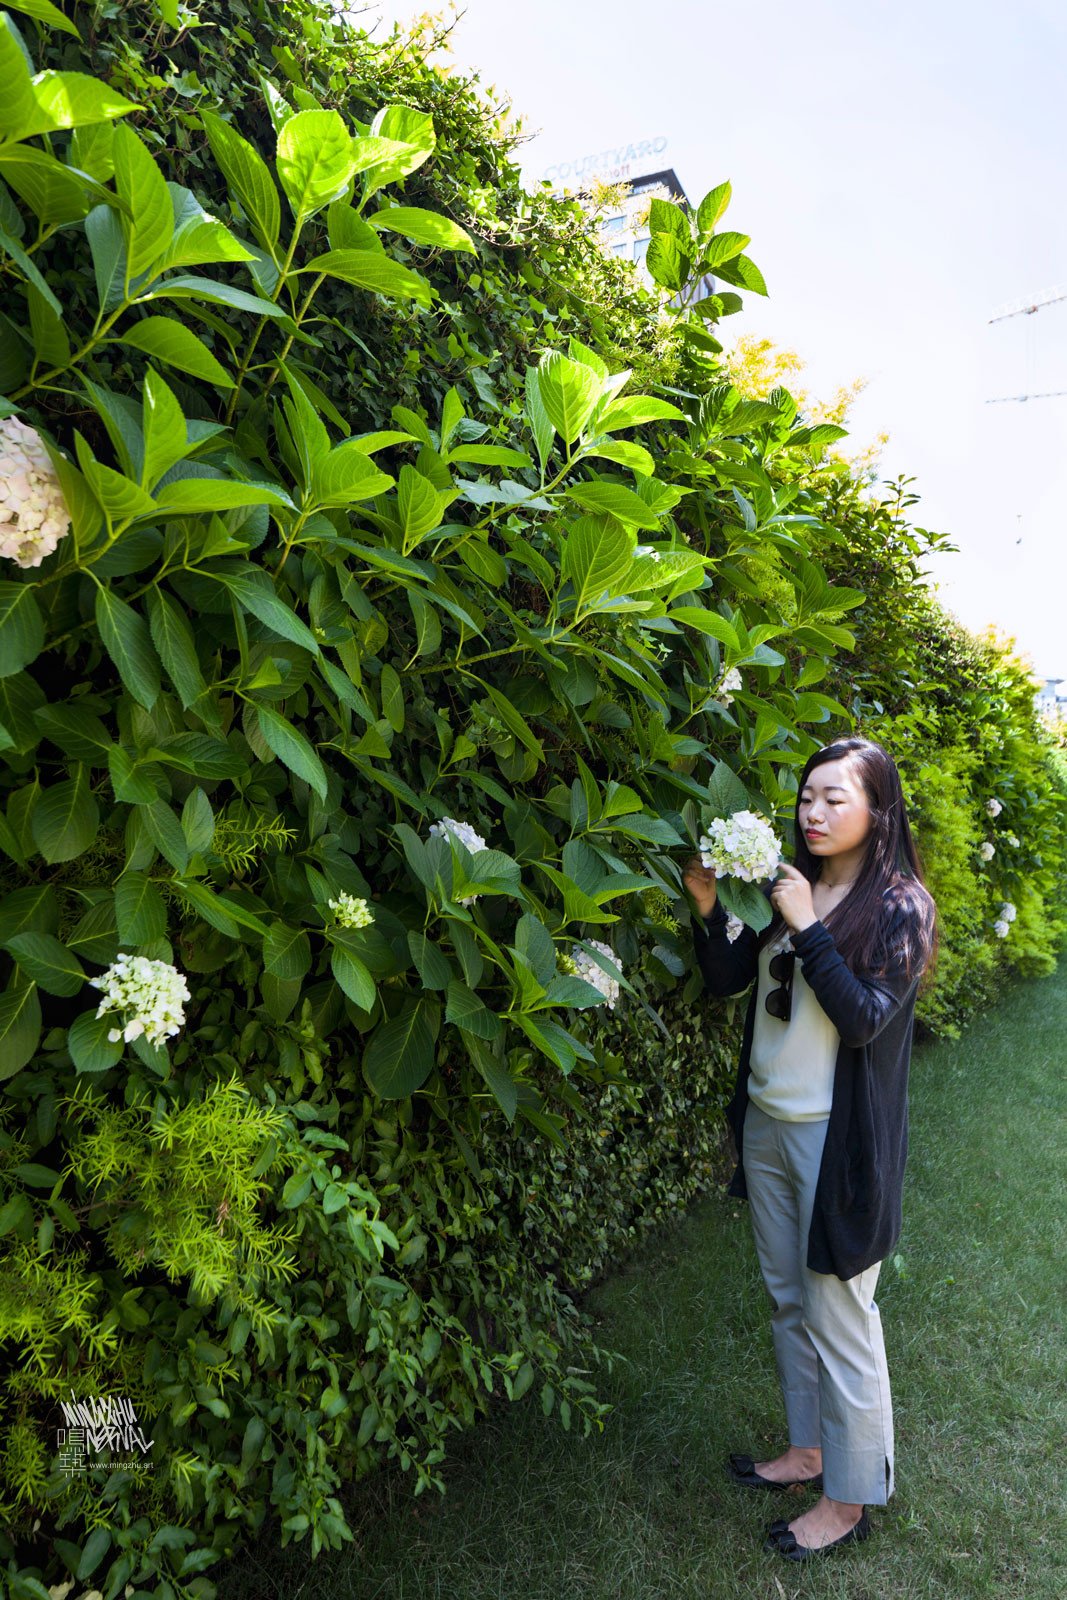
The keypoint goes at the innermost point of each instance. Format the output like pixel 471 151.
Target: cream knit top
pixel 792 1063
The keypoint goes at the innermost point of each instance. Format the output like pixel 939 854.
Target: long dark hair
pixel 891 875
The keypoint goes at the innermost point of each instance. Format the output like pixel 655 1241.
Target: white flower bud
pixel 351 912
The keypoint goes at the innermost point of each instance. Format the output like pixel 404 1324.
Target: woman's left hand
pixel 791 895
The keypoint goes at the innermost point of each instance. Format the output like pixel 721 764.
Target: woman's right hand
pixel 700 882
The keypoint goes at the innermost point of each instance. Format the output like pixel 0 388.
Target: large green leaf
pixel 172 342
pixel 66 819
pixel 568 390
pixel 17 103
pixel 44 960
pixel 127 641
pixel 604 495
pixel 90 1048
pixel 286 951
pixel 254 591
pixel 140 915
pixel 55 193
pixel 21 627
pixel 248 178
pixel 374 270
pixel 315 160
pixel 20 1025
pixel 423 227
pixel 44 11
pixel 148 221
pixel 291 748
pixel 633 410
pixel 420 506
pixel 72 99
pixel 173 638
pixel 352 977
pixel 596 558
pixel 400 1055
pixel 165 435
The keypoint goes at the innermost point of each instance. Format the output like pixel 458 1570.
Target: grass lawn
pixel 974 1308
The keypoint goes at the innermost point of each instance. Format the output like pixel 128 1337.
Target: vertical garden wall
pixel 384 578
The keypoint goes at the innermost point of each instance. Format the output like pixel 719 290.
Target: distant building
pixel 1049 701
pixel 624 231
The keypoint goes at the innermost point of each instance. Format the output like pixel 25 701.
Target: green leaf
pixel 223 294
pixel 286 951
pixel 165 832
pixel 706 621
pixel 400 1055
pixel 18 105
pixel 140 915
pixel 712 207
pixel 44 960
pixel 104 233
pixel 90 1048
pixel 352 977
pixel 392 697
pixel 66 819
pixel 165 436
pixel 21 627
pixel 198 822
pixel 20 1025
pixel 178 346
pixel 469 1013
pixel 726 792
pixel 568 391
pixel 221 911
pixel 127 641
pixel 29 271
pixel 50 340
pixel 596 558
pixel 148 221
pixel 634 410
pixel 247 177
pixel 33 908
pixel 373 270
pixel 135 781
pixel 347 473
pixel 431 963
pixel 70 100
pixel 603 495
pixel 315 160
pixel 193 496
pixel 56 194
pixel 254 591
pixel 291 748
pixel 745 900
pixel 538 418
pixel 420 506
pixel 173 638
pixel 423 227
pixel 44 11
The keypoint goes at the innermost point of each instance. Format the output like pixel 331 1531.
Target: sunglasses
pixel 780 1001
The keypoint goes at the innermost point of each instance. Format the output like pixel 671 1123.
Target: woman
pixel 819 1116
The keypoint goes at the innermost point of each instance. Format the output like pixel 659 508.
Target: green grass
pixel 974 1308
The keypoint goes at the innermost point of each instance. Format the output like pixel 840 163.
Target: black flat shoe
pixel 784 1542
pixel 742 1469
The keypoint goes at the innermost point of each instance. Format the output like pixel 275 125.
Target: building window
pixel 641 247
pixel 622 249
pixel 613 224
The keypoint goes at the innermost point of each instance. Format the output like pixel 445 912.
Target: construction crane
pixel 1027 308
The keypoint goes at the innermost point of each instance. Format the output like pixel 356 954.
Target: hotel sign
pixel 609 166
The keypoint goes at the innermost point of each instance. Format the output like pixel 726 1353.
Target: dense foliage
pixel 424 579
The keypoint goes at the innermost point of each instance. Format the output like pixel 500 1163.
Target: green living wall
pixel 388 582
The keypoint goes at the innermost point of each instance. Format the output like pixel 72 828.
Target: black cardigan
pixel 857 1215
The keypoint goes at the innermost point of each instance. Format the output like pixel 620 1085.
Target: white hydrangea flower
pixel 994 807
pixel 734 926
pixel 987 850
pixel 148 996
pixel 587 968
pixel 1007 912
pixel 730 680
pixel 467 836
pixel 742 846
pixel 1013 840
pixel 33 511
pixel 1000 928
pixel 350 911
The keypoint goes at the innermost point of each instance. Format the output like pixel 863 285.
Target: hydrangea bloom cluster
pixel 729 681
pixel 742 846
pixel 734 925
pixel 148 995
pixel 1013 840
pixel 586 967
pixel 1007 911
pixel 33 511
pixel 987 850
pixel 350 911
pixel 467 836
pixel 1002 926
pixel 994 807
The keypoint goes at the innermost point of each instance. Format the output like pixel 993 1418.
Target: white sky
pixel 901 167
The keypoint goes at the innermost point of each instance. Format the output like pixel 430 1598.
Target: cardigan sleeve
pixel 858 1007
pixel 727 968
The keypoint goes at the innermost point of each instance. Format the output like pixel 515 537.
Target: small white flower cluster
pixel 467 836
pixel 994 807
pixel 734 926
pixel 1013 840
pixel 33 510
pixel 730 680
pixel 987 850
pixel 1003 923
pixel 742 846
pixel 587 968
pixel 350 911
pixel 147 994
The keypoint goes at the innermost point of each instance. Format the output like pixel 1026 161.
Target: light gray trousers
pixel 827 1332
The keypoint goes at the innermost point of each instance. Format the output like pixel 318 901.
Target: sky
pixel 901 169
